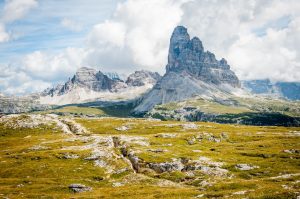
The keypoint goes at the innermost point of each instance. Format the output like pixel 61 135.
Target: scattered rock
pixel 191 141
pixel 77 188
pixel 291 151
pixel 20 185
pixel 240 193
pixel 122 128
pixel 166 166
pixel 74 127
pixel 189 126
pixel 165 135
pixel 139 140
pixel 245 167
pixel 285 176
pixel 38 148
pixel 214 171
pixel 117 184
pixel 205 183
pixel 121 170
pixel 197 151
pixel 70 156
pixel 100 163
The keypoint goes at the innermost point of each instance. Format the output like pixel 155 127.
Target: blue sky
pixel 41 28
pixel 44 42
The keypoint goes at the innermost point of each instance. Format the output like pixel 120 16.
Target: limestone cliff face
pixel 190 72
pixel 188 55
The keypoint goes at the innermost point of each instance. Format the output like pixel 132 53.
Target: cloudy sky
pixel 44 42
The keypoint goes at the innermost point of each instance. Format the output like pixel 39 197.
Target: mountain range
pixel 191 74
pixel 91 85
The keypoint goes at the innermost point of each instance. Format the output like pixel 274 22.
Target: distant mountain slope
pixel 190 71
pixel 23 104
pixel 241 110
pixel 287 90
pixel 91 85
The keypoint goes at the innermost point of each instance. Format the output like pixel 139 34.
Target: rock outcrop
pixel 190 72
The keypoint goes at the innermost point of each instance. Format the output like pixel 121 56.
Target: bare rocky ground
pixel 43 155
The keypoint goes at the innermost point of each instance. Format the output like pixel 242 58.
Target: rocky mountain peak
pixel 143 77
pixel 188 55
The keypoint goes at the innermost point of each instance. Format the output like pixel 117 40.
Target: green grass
pixel 111 111
pixel 76 110
pixel 44 173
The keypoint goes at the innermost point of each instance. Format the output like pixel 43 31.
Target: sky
pixel 44 42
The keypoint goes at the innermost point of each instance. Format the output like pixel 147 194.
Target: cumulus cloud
pixel 16 82
pixel 42 66
pixel 259 38
pixel 14 10
pixel 39 70
pixel 140 30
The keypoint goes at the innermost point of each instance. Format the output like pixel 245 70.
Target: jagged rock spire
pixel 188 55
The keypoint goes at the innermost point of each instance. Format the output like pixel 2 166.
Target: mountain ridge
pixel 91 85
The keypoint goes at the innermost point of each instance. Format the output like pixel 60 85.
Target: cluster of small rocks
pixel 176 165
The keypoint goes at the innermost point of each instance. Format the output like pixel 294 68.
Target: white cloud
pixel 39 65
pixel 227 28
pixel 15 82
pixel 4 36
pixel 13 10
pixel 140 30
pixel 16 9
pixel 107 33
pixel 71 25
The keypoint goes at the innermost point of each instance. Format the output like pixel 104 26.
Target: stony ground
pixel 46 156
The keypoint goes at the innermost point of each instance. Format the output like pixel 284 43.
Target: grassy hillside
pixel 134 158
pixel 91 111
pixel 255 111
